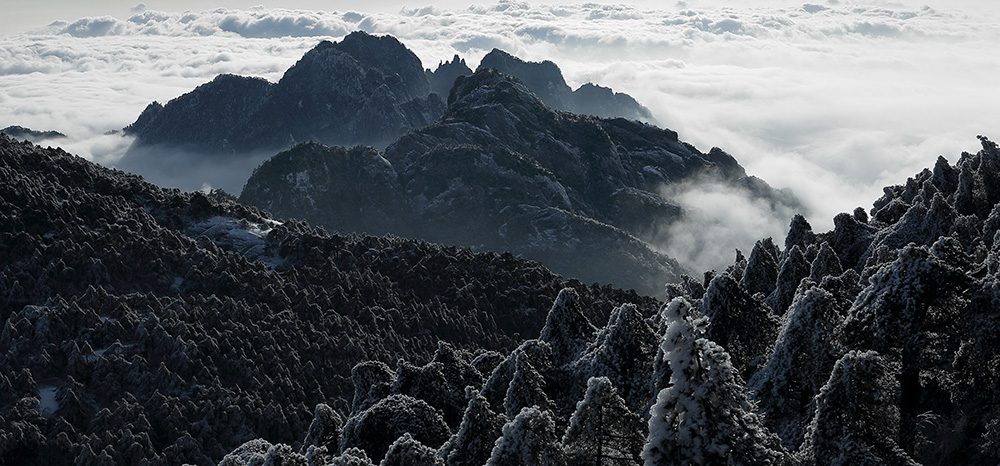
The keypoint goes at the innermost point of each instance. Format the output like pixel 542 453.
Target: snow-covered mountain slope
pixel 151 326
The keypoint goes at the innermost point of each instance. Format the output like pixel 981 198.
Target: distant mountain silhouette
pixel 546 80
pixel 22 133
pixel 364 89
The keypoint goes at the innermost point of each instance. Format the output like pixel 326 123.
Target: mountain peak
pixel 488 87
pixel 388 55
pixel 444 76
pixel 547 81
pixel 544 77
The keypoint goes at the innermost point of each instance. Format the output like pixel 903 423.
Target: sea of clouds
pixel 831 99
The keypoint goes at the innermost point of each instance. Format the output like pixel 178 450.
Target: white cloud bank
pixel 832 99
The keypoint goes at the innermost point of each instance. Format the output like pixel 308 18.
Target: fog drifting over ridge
pixel 833 100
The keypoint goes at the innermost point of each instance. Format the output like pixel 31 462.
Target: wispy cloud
pixel 831 99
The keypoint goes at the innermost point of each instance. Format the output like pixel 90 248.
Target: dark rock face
pixel 149 325
pixel 546 80
pixel 502 171
pixel 229 99
pixel 354 189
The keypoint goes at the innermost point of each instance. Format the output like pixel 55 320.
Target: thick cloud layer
pixel 831 99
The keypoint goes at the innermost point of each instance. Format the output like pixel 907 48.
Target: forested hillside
pixel 873 343
pixel 151 326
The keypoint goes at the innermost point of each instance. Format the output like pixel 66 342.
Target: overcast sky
pixel 833 99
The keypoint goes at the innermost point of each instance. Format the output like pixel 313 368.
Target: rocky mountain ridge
pixel 503 171
pixel 546 80
pixel 364 89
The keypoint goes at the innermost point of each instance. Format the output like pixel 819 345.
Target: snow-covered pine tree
pixel 377 427
pixel 741 324
pixel 324 431
pixel 603 430
pixel 799 365
pixel 687 286
pixel 529 439
pixel 372 380
pixel 794 268
pixel 825 263
pixel 905 314
pixel 762 268
pixel 527 388
pixel 973 386
pixel 477 433
pixel 350 457
pixel 457 371
pixel 661 363
pixel 857 416
pixel 282 455
pixel 407 451
pixel 799 234
pixel 566 328
pixel 623 351
pixel 428 383
pixel 705 415
pixel 537 352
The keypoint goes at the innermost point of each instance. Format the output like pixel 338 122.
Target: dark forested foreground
pixel 874 343
pixel 143 325
pixel 152 326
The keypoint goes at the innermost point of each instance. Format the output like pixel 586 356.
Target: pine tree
pixel 857 416
pixel 372 380
pixel 527 388
pixel 799 234
pixel 793 269
pixel 350 457
pixel 661 363
pixel 623 351
pixel 477 433
pixel 603 430
pixel 800 363
pixel 904 314
pixel 566 328
pixel 762 268
pixel 973 386
pixel 529 439
pixel 741 324
pixel 377 427
pixel 825 263
pixel 324 431
pixel 537 352
pixel 407 451
pixel 705 416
